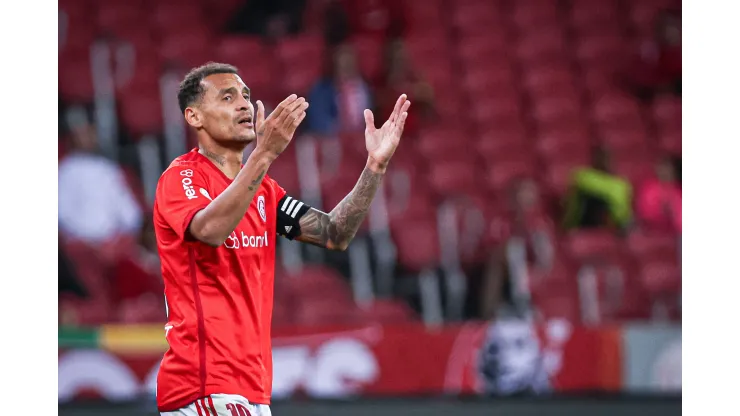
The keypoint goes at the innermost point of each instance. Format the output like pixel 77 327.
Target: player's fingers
pixel 290 119
pixel 397 108
pixel 283 105
pixel 369 120
pixel 260 113
pixel 405 107
pixel 299 119
pixel 401 123
pixel 290 109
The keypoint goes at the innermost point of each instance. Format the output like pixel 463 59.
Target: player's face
pixel 227 110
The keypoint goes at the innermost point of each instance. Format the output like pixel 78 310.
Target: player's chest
pixel 256 230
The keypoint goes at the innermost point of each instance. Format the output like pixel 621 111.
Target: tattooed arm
pixel 336 229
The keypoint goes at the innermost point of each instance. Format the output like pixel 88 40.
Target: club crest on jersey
pixel 261 207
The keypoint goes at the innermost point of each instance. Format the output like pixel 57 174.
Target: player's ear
pixel 194 117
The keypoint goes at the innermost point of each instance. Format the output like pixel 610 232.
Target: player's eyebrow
pixel 224 91
pixel 232 90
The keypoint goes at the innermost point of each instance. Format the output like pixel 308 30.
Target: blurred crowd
pixel 517 252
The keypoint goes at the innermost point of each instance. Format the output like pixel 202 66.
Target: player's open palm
pixel 382 142
pixel 276 131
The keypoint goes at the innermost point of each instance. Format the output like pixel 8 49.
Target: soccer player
pixel 216 222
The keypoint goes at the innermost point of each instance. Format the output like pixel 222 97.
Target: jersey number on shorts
pixel 238 409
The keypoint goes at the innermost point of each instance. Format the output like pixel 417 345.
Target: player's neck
pixel 228 160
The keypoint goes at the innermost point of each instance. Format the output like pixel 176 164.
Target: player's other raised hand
pixel 275 133
pixel 382 143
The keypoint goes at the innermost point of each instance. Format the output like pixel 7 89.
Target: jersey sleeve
pixel 181 193
pixel 289 212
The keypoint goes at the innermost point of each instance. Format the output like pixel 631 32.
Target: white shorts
pixel 222 405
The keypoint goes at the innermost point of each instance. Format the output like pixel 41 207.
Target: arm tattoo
pixel 256 182
pixel 338 228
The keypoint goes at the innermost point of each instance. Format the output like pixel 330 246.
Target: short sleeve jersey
pixel 219 299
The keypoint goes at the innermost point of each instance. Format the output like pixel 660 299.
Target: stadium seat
pixel 616 109
pixel 660 278
pixel 557 111
pixel 666 111
pixel 176 17
pixel 75 77
pixel 498 176
pixel 76 30
pixel 186 50
pixel 370 53
pixel 140 109
pixel 593 14
pixel 450 177
pixel 530 14
pixel 417 243
pixel 649 247
pixel 480 46
pixel 387 311
pixel 541 44
pixel 592 245
pixel 235 48
pixel 474 16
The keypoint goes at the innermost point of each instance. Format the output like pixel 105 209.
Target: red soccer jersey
pixel 219 300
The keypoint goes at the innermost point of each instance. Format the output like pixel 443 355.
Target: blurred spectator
pixel 270 18
pixel 398 78
pixel 336 23
pixel 380 18
pixel 597 197
pixel 68 279
pixel 522 244
pixel 339 98
pixel 658 200
pixel 657 66
pixel 95 203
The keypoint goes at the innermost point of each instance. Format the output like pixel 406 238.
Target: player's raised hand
pixel 382 143
pixel 276 131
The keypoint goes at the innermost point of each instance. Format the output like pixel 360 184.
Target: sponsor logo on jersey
pixel 236 242
pixel 261 207
pixel 187 183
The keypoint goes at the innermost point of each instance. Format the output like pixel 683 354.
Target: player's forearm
pixel 346 217
pixel 219 219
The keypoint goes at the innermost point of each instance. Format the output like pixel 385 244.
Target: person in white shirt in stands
pixel 96 204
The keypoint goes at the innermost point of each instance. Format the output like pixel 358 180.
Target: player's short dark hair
pixel 191 88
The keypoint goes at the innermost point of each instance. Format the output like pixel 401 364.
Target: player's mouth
pixel 246 122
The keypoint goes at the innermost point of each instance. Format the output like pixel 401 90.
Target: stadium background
pixel 526 241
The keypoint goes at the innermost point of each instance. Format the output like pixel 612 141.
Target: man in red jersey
pixel 216 221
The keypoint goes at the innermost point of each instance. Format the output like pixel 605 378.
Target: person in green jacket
pixel 598 197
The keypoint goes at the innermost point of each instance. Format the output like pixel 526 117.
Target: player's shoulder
pixel 189 163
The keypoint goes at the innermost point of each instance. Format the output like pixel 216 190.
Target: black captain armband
pixel 289 212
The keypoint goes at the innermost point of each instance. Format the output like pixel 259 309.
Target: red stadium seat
pixel 449 177
pixel 541 44
pixel 474 16
pixel 479 46
pixel 652 247
pixel 234 48
pixel 530 14
pixel 388 311
pixel 661 278
pixel 141 112
pixel 592 245
pixel 370 53
pixel 590 14
pixel 499 175
pixel 176 17
pixel 616 109
pixel 557 110
pixel 417 243
pixel 75 77
pixel 537 78
pixel 670 141
pixel 76 30
pixel 666 111
pixel 186 50
pixel 624 139
pixel 601 50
